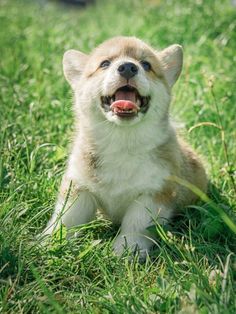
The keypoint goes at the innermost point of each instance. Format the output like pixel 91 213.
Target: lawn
pixel 192 269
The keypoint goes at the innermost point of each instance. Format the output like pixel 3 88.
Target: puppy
pixel 125 148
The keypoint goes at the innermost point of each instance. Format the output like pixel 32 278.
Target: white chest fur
pixel 123 177
pixel 127 168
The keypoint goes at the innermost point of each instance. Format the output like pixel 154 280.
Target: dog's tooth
pixel 138 101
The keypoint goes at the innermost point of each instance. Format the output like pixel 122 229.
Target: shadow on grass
pixel 199 229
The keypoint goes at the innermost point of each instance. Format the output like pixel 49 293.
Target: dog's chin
pixel 126 106
pixel 123 121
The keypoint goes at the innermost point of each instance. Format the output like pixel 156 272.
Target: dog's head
pixel 123 80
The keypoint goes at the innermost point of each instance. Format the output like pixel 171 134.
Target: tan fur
pixel 130 47
pixel 184 164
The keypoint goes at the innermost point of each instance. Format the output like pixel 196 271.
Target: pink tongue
pixel 120 95
pixel 124 101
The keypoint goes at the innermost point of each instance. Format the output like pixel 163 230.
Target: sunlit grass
pixel 192 267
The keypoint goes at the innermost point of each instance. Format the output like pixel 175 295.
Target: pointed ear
pixel 73 64
pixel 172 60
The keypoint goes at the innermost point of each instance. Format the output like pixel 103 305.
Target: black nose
pixel 128 70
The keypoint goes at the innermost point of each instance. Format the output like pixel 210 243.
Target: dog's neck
pixel 109 138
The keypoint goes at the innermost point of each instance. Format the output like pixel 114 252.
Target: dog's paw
pixel 136 245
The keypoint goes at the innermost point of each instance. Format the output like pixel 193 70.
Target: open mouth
pixel 126 102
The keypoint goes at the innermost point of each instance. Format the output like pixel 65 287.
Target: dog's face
pixel 123 80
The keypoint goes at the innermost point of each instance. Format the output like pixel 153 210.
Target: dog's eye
pixel 105 64
pixel 146 65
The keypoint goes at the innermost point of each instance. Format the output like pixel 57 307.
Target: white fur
pixel 140 214
pixel 80 211
pixel 127 175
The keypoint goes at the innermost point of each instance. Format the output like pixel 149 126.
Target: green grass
pixel 193 267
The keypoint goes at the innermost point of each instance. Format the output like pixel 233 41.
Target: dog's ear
pixel 73 64
pixel 172 61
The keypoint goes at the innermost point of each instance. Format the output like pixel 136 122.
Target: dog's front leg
pixel 134 236
pixel 74 207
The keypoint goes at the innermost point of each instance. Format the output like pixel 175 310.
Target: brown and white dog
pixel 125 147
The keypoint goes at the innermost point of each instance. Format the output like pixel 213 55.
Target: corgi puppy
pixel 125 148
